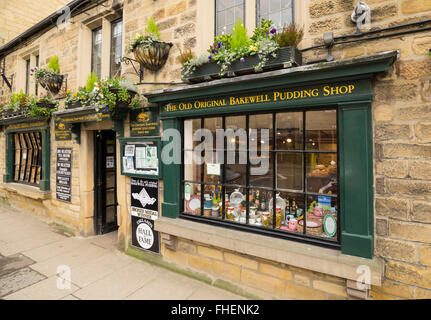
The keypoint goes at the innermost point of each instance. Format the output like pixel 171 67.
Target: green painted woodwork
pixel 46 156
pixel 356 179
pixel 171 179
pixel 124 141
pixel 9 159
pixel 44 183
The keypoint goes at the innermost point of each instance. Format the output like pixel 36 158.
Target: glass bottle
pixel 294 209
pixel 257 200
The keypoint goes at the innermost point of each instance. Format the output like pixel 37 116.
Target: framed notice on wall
pixel 63 185
pixel 140 157
pixel 145 210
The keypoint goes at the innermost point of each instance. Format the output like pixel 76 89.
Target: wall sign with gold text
pixel 144 122
pixel 287 95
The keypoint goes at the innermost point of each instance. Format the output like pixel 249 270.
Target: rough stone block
pixel 275 271
pixel 263 282
pixel 397 250
pixel 200 263
pixel 227 270
pixel 211 253
pixel 240 260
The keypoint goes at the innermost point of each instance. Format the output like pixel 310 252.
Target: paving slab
pixel 74 258
pixel 51 250
pixel 213 293
pixel 13 263
pixel 167 286
pixel 119 284
pixel 18 280
pixel 99 268
pixel 47 289
pixel 107 241
pixel 26 244
pixel 70 297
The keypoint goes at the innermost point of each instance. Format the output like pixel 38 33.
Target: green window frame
pixel 297 158
pixel 36 170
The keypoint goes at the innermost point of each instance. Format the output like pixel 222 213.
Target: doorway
pixel 105 182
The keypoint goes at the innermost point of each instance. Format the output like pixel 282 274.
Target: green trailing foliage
pixel 32 106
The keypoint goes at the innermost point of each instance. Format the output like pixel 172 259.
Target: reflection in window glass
pixel 279 11
pixel 116 46
pixel 321 130
pixel 289 131
pixel 96 59
pixel 27 163
pixel 227 14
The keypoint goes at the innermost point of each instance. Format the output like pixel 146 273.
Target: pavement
pixel 37 262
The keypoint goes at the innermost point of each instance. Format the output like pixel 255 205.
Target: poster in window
pixel 144 211
pixel 140 157
pixel 129 150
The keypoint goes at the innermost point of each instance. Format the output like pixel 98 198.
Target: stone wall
pixel 402 136
pixel 18 16
pixel 259 277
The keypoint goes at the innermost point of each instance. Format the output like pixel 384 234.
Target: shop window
pixel 279 11
pixel 116 47
pixel 96 53
pixel 283 160
pixel 27 157
pixel 227 14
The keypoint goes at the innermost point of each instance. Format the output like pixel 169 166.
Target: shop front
pixel 276 173
pixel 94 138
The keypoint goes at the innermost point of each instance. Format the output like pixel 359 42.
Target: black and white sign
pixel 144 210
pixel 143 235
pixel 64 174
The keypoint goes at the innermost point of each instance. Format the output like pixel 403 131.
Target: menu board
pixel 63 186
pixel 144 210
pixel 141 158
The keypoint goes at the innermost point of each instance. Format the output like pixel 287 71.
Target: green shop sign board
pixel 62 131
pixel 277 98
pixel 144 122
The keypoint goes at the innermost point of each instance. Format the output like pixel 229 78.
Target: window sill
pixel 28 191
pixel 327 261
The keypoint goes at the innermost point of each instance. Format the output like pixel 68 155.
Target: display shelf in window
pixel 141 157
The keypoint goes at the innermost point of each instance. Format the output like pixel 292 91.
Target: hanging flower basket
pixel 121 108
pixel 154 56
pixel 52 83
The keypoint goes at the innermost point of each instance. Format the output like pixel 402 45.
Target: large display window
pixel 275 173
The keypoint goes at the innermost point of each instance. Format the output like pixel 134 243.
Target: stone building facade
pixel 401 139
pixel 19 16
